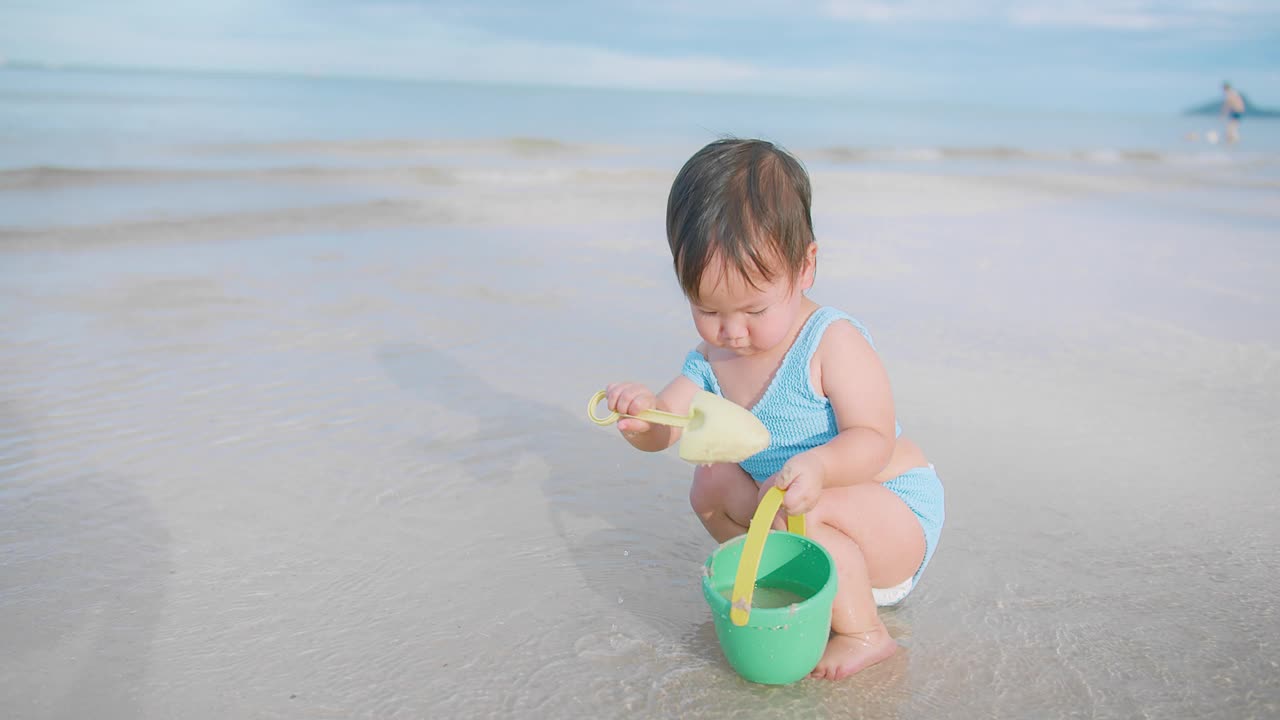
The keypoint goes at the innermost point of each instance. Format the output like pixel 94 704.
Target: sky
pixel 1124 54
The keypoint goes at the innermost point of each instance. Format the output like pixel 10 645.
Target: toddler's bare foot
pixel 847 654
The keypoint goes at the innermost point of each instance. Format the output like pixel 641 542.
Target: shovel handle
pixel 654 416
pixel 744 583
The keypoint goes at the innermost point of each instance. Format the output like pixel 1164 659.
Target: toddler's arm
pixel 854 380
pixel 633 398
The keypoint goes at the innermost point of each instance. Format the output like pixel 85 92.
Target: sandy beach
pixel 309 441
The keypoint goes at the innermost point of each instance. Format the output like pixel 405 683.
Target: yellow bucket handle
pixel 744 584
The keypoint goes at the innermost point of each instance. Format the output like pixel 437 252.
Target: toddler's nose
pixel 733 334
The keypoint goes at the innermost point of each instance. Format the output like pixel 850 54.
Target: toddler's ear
pixel 809 272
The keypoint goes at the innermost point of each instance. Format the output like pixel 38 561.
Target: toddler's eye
pixel 761 311
pixel 705 312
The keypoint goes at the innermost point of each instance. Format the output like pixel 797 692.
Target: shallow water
pixel 331 460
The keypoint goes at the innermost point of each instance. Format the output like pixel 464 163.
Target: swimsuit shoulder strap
pixel 698 369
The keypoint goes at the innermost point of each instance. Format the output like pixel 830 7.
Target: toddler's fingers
pixel 635 402
pixel 632 427
pixel 611 393
pixel 794 504
pixel 783 479
pixel 620 396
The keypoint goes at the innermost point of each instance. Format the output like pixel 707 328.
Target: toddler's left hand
pixel 802 478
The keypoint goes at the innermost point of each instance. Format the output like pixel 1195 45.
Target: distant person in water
pixel 1232 110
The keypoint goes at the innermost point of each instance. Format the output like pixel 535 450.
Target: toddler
pixel 741 237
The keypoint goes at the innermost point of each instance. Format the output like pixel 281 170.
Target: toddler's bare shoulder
pixel 843 339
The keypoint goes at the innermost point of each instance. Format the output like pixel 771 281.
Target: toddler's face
pixel 747 320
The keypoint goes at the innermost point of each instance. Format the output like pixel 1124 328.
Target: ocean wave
pixel 1008 154
pixel 386 213
pixel 409 165
pixel 527 146
pixel 52 177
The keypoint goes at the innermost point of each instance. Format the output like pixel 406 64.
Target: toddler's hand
pixel 803 479
pixel 630 399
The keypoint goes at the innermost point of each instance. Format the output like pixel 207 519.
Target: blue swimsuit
pixel 799 418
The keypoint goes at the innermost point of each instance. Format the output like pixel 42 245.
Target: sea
pixel 106 118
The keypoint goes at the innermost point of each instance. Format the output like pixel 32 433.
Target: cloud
pixel 388 39
pixel 961 48
pixel 1132 15
pixel 883 11
pixel 1127 15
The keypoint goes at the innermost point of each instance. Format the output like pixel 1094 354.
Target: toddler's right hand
pixel 630 399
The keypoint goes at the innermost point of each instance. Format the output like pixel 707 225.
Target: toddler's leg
pixel 724 497
pixel 876 541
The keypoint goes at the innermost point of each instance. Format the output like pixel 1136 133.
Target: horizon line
pixel 8 63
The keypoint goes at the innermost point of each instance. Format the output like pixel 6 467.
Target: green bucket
pixel 772 645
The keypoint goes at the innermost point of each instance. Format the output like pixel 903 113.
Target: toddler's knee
pixel 704 496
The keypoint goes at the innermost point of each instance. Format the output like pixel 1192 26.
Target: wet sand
pixel 311 443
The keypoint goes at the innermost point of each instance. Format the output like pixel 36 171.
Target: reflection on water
pixel 84 567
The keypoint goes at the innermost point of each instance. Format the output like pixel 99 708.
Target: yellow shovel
pixel 716 430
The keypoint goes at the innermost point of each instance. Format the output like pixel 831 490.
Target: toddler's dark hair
pixel 748 202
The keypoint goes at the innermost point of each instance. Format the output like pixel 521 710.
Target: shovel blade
pixel 720 430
